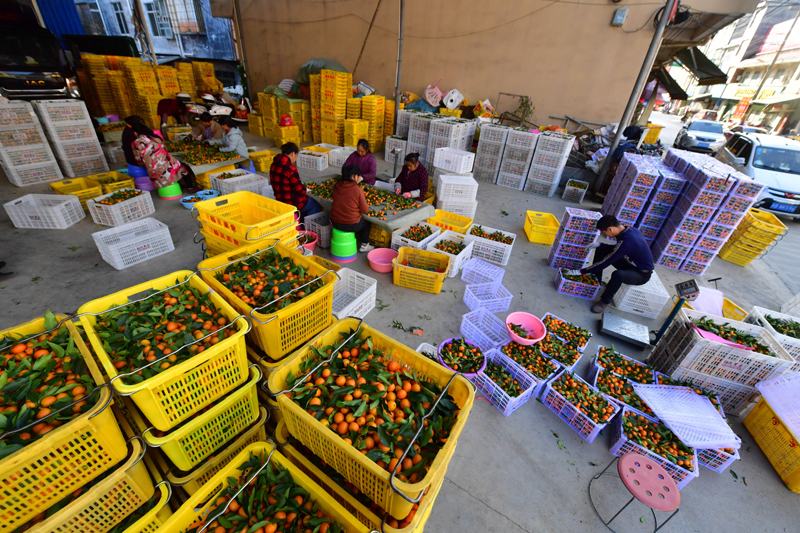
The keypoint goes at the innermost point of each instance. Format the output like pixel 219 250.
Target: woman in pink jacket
pixel 162 168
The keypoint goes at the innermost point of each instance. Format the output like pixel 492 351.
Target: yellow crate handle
pixel 292 223
pixel 260 375
pixel 194 237
pixel 324 361
pixel 151 363
pixel 209 520
pixel 288 293
pixel 54 413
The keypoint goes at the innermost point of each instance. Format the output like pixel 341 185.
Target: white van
pixel 773 161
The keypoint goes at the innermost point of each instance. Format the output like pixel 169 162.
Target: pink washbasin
pixel 380 259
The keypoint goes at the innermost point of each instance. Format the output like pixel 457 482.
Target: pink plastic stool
pixel 648 482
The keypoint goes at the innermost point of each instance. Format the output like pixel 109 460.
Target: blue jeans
pixel 311 208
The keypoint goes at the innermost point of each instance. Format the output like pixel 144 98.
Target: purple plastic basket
pixel 665 197
pixel 672 248
pixel 652 220
pixel 570 263
pixel 727 218
pixel 671 181
pixel 674 234
pixel 709 180
pixel 469 376
pixel 649 232
pixel 663 259
pixel 720 231
pixel 695 268
pixel 574 288
pixel 710 243
pixel 657 208
pixel 701 256
pixel 628 216
pixel 565 249
pixel 639 191
pixel 634 203
pixel 683 222
pixel 580 219
pixel 747 188
pixel 699 196
pixel 701 212
pixel 739 204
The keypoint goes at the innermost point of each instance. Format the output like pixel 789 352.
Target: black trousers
pixel 361 229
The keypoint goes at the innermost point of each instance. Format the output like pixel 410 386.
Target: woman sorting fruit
pixel 231 140
pixel 364 160
pixel 162 167
pixel 285 181
pixel 630 256
pixel 349 203
pixel 207 128
pixel 413 179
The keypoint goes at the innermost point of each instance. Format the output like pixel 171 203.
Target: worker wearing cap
pixel 630 256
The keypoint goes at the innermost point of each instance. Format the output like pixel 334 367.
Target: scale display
pixel 688 290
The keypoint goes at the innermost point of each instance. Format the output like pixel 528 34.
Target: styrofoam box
pixel 458 161
pixel 33 174
pixel 354 294
pixel 27 135
pixel 83 167
pixel 133 243
pixel 454 187
pixel 645 300
pixel 45 211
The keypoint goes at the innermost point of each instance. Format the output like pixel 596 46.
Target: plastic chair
pixel 344 247
pixel 647 481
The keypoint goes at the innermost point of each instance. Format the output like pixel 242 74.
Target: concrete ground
pixel 528 472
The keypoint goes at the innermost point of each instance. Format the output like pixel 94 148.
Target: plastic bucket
pixel 531 323
pixel 170 192
pixel 137 172
pixel 144 184
pixel 312 243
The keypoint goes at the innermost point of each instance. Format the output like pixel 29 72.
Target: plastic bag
pixel 365 89
pixel 484 109
pixel 453 99
pixel 314 66
pixel 433 95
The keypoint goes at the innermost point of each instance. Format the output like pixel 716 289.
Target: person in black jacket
pixel 128 137
pixel 630 256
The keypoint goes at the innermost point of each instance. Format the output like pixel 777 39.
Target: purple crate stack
pixel 632 186
pixel 576 232
pixel 663 198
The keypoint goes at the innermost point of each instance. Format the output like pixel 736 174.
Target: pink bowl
pixel 380 259
pixel 310 245
pixel 530 323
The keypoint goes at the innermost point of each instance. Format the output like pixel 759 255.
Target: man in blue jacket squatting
pixel 630 256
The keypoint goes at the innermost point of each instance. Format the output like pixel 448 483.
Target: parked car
pixel 745 129
pixel 705 136
pixel 773 161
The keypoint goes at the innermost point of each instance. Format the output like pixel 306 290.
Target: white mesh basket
pixel 479 271
pixel 482 328
pixel 492 296
pixel 133 243
pixel 320 224
pixel 354 294
pixel 758 316
pixel 645 300
pixel 118 214
pixel 490 250
pixel 45 211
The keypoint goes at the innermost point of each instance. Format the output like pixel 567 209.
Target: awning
pixel 779 99
pixel 706 72
pixel 669 84
pixel 699 97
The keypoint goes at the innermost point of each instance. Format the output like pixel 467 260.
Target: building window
pixel 158 19
pixel 778 78
pixel 119 13
pixel 756 76
pixel 91 18
pixel 187 16
pixel 746 77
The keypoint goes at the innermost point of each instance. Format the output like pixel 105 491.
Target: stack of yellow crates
pixel 373 109
pixel 121 93
pixel 355 129
pixel 286 134
pixel 755 235
pixel 307 126
pixel 168 81
pixel 388 121
pixel 353 108
pixel 88 94
pixel 336 88
pixel 204 77
pixel 268 106
pixel 256 124
pixel 95 67
pixel 186 78
pixel 316 107
pixel 145 90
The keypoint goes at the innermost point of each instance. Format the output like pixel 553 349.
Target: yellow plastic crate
pixel 344 497
pixel 179 392
pixel 319 149
pixel 112 181
pixel 412 269
pixel 749 243
pixel 777 442
pixel 280 332
pixel 157 516
pixel 379 238
pixel 286 235
pixel 214 246
pixel 106 504
pixel 371 479
pixel 188 445
pixel 330 265
pixel 729 253
pixel 192 481
pixel 70 456
pixel 198 505
pixel 541 228
pixel 732 311
pixel 763 223
pixel 203 179
pixel 83 188
pixel 451 221
pixel 652 134
pixel 450 112
pixel 247 215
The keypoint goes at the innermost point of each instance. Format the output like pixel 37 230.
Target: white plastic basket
pixel 354 294
pixel 338 156
pixel 458 161
pixel 482 328
pixel 492 251
pixel 266 190
pixel 505 403
pixel 485 175
pixel 758 316
pixel 555 142
pixel 492 296
pixel 312 160
pixel 75 168
pixel 123 212
pixel 573 193
pixel 566 411
pixel 438 173
pixel 716 460
pixel 244 180
pixel 456 188
pixel 133 243
pixel 622 445
pixel 320 223
pixel 392 143
pixel 495 134
pixel 399 241
pixel 465 208
pixel 477 270
pixel 522 139
pixel 79 149
pixel 511 181
pixel 45 211
pixel 734 397
pixel 544 188
pixel 456 261
pixel 33 174
pixel 645 300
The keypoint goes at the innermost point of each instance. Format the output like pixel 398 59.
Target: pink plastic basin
pixel 380 259
pixel 531 323
pixel 310 245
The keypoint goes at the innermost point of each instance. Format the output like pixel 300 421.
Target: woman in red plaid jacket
pixel 285 181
